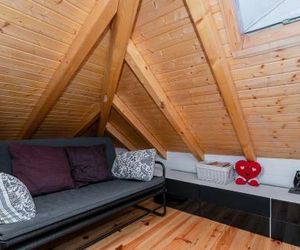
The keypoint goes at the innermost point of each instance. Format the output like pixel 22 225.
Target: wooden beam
pixel 209 37
pixel 88 121
pixel 123 110
pixel 119 136
pixel 231 23
pixel 88 35
pixel 121 32
pixel 152 86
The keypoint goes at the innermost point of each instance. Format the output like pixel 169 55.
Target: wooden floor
pixel 177 230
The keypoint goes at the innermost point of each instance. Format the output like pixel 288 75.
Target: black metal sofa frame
pixel 42 236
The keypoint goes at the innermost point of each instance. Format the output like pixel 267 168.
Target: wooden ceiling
pixel 180 86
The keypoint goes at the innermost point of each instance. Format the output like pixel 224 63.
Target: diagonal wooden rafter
pixel 87 121
pixel 88 35
pixel 119 136
pixel 209 37
pixel 138 65
pixel 123 110
pixel 121 32
pixel 92 117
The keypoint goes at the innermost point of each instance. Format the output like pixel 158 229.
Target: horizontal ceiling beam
pixel 124 110
pixel 119 136
pixel 138 65
pixel 209 38
pixel 121 32
pixel 90 32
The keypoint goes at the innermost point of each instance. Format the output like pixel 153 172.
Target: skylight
pixel 259 14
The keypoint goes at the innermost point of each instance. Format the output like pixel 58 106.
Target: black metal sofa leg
pixel 154 210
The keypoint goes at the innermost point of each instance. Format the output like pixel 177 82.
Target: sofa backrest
pixel 5 156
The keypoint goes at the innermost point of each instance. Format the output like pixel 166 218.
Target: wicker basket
pixel 216 174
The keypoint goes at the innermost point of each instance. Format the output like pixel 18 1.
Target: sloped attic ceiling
pixel 36 35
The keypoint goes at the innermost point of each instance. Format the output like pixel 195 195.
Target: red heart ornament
pixel 247 171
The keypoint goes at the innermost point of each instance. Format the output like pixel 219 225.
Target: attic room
pixel 150 124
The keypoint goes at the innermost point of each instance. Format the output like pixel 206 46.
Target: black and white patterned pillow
pixel 16 203
pixel 136 165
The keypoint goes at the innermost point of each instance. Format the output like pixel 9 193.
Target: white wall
pixel 276 171
pixel 121 150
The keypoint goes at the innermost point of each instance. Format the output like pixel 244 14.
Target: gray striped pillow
pixel 16 203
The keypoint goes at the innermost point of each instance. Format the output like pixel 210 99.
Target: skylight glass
pixel 259 14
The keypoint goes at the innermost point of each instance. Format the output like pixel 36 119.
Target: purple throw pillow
pixel 42 169
pixel 88 164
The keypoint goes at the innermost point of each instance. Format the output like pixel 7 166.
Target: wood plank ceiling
pixel 173 52
pixel 35 35
pixel 268 88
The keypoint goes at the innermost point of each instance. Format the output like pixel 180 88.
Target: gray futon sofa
pixel 61 213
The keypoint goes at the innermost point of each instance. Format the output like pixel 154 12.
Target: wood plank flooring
pixel 176 231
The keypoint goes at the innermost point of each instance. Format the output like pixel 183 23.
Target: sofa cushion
pixel 135 165
pixel 42 169
pixel 56 207
pixel 88 164
pixel 16 203
pixel 5 157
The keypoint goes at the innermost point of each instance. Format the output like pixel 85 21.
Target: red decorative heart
pixel 248 169
pixel 253 182
pixel 240 181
